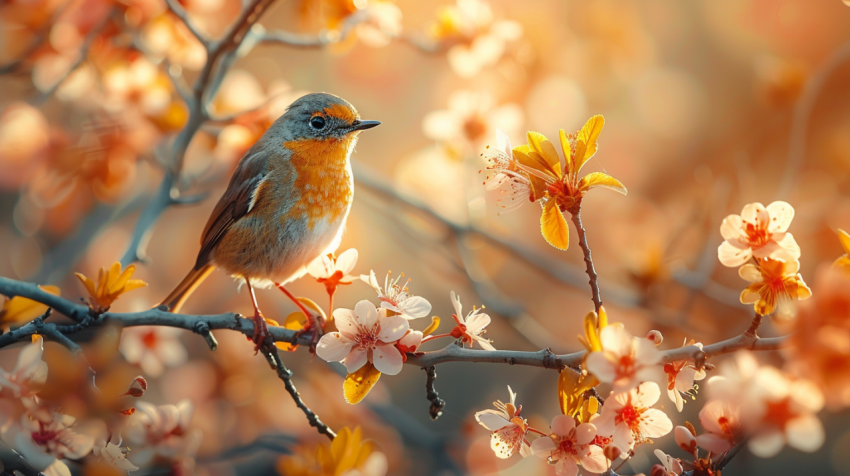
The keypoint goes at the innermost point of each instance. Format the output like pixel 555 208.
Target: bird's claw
pixel 315 327
pixel 261 332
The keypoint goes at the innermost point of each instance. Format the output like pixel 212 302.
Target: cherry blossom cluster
pixel 47 439
pixel 381 335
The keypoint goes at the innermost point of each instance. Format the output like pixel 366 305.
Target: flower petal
pixel 655 423
pixel 805 433
pixel 543 146
pixel 346 261
pixel 554 227
pixel 767 444
pixel 563 425
pixel 333 347
pixel 415 307
pixel 595 461
pixel 543 445
pixel 586 145
pixel 750 273
pixel 393 328
pixel 492 420
pixel 733 256
pixel 477 322
pixel 714 443
pixel 346 321
pixel 646 395
pixel 456 304
pixel 756 214
pixel 355 359
pixel 387 359
pixel 585 433
pixel 732 227
pixel 599 179
pixel 781 214
pixel 367 314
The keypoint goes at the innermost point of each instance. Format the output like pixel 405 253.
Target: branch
pixel 286 375
pixel 437 403
pixel 181 13
pixel 324 38
pixel 588 261
pixel 232 321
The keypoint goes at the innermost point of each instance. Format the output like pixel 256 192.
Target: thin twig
pixel 181 13
pixel 437 403
pixel 323 39
pixel 286 376
pixel 588 261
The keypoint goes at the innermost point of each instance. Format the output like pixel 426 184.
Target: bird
pixel 285 205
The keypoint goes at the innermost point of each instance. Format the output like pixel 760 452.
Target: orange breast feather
pixel 323 180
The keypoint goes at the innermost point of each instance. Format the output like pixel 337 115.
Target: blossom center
pixel 756 236
pixel 368 339
pixel 631 417
pixel 150 340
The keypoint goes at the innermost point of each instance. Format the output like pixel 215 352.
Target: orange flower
pixel 348 453
pixel 111 283
pixel 843 262
pixel 776 284
pixel 559 187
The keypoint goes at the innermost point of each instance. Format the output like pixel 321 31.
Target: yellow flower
pixel 347 452
pixel 21 309
pixel 557 184
pixel 776 285
pixel 111 283
pixel 843 263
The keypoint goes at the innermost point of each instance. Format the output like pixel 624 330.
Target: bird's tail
pixel 175 300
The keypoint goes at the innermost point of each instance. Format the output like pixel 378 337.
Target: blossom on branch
pixel 758 232
pixel 629 418
pixel 45 437
pixel 366 334
pixel 681 375
pixel 624 361
pixel 672 466
pixel 397 298
pixel 721 420
pixel 776 285
pixel 569 446
pixel 111 284
pixel 508 427
pixel 555 183
pixel 333 271
pixel 470 328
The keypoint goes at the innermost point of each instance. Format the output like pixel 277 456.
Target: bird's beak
pixel 363 125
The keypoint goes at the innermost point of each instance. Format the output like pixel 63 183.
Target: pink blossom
pixel 161 431
pixel 721 420
pixel 507 426
pixel 569 446
pixel 365 335
pixel 45 437
pixel 397 298
pixel 29 374
pixel 625 361
pixel 758 232
pixel 470 328
pixel 628 417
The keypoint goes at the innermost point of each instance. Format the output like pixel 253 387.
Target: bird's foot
pixel 261 331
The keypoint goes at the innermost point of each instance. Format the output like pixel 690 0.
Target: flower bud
pixel 685 439
pixel 655 337
pixel 611 452
pixel 138 387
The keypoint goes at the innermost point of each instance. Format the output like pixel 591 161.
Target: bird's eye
pixel 317 122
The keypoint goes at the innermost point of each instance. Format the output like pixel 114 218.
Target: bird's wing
pixel 234 204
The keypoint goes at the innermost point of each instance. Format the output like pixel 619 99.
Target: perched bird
pixel 285 205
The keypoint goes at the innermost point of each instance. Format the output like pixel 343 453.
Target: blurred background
pixel 709 105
